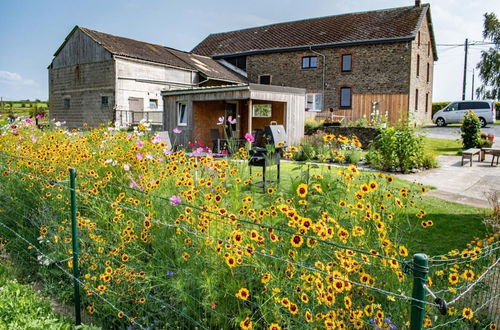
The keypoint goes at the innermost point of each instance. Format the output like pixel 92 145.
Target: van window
pixel 452 107
pixel 473 105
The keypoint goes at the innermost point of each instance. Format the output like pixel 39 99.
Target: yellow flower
pixel 296 240
pixel 243 294
pixel 302 190
pixel 274 326
pixel 265 278
pixel 467 313
pixel 453 278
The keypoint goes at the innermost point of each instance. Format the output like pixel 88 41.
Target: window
pixel 265 79
pixel 314 102
pixel 428 75
pixel 345 97
pixel 452 107
pixel 426 102
pixel 309 62
pixel 262 110
pixel 346 63
pixel 416 99
pixel 182 119
pixel 66 103
pixel 104 101
pixel 419 39
pixel 418 65
pixel 153 104
pixel 429 48
pixel 473 105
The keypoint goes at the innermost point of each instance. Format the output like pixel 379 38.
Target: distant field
pixel 22 108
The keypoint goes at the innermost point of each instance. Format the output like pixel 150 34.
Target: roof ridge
pixel 313 18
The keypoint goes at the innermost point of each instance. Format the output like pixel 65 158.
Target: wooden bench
pixel 469 153
pixel 493 152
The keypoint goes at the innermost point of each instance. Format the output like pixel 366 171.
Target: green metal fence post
pixel 74 234
pixel 420 270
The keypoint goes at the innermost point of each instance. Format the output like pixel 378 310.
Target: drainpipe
pixel 323 77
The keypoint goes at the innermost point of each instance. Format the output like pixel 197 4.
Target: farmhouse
pixel 353 63
pixel 96 78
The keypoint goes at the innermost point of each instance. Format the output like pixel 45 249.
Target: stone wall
pixel 84 85
pixel 376 69
pixel 365 135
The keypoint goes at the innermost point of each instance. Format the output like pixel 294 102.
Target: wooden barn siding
pixel 396 106
pixel 80 49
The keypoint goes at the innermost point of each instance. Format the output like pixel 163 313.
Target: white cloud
pixel 14 79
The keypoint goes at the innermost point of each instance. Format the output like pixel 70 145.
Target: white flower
pixel 126 167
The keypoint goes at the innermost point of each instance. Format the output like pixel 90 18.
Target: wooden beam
pixel 250 116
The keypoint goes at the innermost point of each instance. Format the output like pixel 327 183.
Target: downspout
pixel 323 77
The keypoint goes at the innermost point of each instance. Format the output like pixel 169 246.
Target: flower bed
pixel 169 239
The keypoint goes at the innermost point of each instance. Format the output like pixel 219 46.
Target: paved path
pixel 462 184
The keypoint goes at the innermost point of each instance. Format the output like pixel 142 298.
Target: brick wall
pixel 423 51
pixel 376 69
pixel 84 85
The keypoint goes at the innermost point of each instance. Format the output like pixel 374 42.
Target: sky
pixel 32 30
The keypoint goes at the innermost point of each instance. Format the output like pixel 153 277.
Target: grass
pixel 455 225
pixel 442 146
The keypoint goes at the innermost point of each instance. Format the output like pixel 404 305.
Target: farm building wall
pixel 76 93
pixel 421 73
pixel 145 80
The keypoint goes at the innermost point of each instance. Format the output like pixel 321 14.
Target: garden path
pixel 466 184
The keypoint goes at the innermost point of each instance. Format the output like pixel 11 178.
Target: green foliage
pixel 353 156
pixel 310 126
pixel 436 106
pixel 489 66
pixel 397 148
pixel 471 130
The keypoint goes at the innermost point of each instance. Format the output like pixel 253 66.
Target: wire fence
pixel 153 261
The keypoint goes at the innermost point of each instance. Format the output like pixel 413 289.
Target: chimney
pixel 418 3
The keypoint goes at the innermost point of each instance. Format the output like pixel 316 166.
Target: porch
pixel 196 112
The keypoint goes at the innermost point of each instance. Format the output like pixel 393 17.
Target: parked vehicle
pixel 455 111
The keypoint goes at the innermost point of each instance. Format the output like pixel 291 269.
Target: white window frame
pixel 155 101
pixel 316 100
pixel 180 105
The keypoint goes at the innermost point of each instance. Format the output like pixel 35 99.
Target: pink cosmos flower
pixel 33 138
pixel 140 143
pixel 133 184
pixel 221 121
pixel 139 156
pixel 175 200
pixel 249 137
pixel 231 120
pixel 176 130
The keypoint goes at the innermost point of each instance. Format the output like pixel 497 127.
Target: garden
pixel 178 239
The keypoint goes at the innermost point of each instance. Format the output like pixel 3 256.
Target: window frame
pixel 155 101
pixel 416 99
pixel 66 103
pixel 350 97
pixel 418 65
pixel 186 121
pixel 342 62
pixel 104 104
pixel 426 102
pixel 265 75
pixel 315 96
pixel 428 74
pixel 309 66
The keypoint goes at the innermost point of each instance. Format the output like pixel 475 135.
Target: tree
pixel 489 66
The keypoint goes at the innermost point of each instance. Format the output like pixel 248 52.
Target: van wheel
pixel 440 122
pixel 482 121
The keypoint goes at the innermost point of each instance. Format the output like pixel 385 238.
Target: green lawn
pixel 455 225
pixel 442 146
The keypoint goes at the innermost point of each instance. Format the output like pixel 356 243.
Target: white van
pixel 455 112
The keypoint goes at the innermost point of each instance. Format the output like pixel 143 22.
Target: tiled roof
pixel 160 54
pixel 371 26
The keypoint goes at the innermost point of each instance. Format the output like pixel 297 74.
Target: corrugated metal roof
pixel 160 54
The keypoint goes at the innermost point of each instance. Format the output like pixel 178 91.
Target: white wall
pixel 141 79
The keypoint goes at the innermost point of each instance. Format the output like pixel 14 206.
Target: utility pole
pixel 472 91
pixel 465 68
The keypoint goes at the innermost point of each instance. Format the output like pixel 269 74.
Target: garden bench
pixel 493 152
pixel 469 153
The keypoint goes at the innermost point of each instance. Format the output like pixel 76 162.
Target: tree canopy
pixel 489 66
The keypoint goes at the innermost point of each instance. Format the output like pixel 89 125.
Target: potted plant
pixel 491 137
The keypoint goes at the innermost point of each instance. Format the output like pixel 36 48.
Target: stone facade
pixel 82 87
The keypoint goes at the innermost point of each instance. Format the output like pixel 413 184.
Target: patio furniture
pixel 494 152
pixel 469 153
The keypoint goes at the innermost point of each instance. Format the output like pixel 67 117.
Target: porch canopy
pixel 196 111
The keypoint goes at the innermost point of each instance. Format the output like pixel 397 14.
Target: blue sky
pixel 32 30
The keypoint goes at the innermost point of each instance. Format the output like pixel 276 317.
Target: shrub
pixel 429 161
pixel 311 125
pixel 353 156
pixel 471 130
pixel 436 106
pixel 397 148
